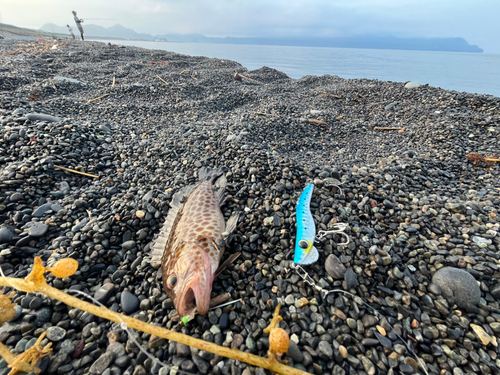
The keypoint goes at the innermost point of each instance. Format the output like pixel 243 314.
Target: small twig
pixel 386 128
pixel 476 158
pixel 265 114
pixel 339 117
pixel 184 71
pixel 238 77
pixel 193 77
pixel 113 85
pixel 53 85
pixel 361 96
pixel 317 121
pixel 99 98
pixel 161 79
pixel 332 95
pixel 72 170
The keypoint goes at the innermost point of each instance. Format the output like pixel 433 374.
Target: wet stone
pixel 183 350
pixel 56 334
pixel 406 369
pixel 129 302
pixel 384 341
pixel 325 350
pixel 224 321
pixel 294 352
pixel 6 235
pixel 334 267
pixel 202 365
pixel 369 321
pixel 41 210
pixel 38 229
pixel 350 279
pixel 16 197
pixel 104 293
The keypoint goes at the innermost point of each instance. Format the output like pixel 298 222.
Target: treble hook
pixel 329 183
pixel 339 228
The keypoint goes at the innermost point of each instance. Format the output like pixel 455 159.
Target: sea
pixel 461 71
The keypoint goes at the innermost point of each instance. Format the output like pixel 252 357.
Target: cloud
pixel 475 21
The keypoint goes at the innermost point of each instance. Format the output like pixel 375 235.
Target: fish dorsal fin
pixel 308 257
pixel 158 248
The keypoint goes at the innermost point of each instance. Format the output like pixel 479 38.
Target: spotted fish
pixel 305 252
pixel 191 243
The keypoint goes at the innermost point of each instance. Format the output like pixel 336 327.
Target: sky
pixel 474 20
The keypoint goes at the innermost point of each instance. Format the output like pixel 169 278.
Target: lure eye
pixel 172 280
pixel 303 244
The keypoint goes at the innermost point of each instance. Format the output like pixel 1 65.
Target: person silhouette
pixel 71 31
pixel 78 24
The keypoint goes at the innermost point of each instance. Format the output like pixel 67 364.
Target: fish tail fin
pixel 218 178
pixel 210 174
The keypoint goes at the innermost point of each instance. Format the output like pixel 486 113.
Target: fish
pixel 305 252
pixel 192 241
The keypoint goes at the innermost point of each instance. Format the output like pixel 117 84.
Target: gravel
pixel 414 205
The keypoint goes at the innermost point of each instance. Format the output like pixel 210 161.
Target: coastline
pixel 413 201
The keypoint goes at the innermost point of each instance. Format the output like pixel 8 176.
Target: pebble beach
pixel 386 158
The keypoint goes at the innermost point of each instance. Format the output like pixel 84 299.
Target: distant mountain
pixel 95 31
pixel 362 41
pixel 365 41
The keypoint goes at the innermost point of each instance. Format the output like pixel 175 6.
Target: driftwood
pixel 314 121
pixel 265 114
pixel 161 79
pixel 99 98
pixel 73 171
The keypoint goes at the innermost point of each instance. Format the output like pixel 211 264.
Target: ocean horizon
pixel 477 73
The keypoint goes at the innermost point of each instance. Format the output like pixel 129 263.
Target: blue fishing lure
pixel 305 252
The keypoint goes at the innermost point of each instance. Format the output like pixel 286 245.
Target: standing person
pixel 71 31
pixel 78 24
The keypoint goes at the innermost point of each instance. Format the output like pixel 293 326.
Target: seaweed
pixel 35 282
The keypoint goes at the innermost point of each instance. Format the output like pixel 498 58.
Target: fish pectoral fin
pixel 232 223
pixel 226 263
pixel 217 247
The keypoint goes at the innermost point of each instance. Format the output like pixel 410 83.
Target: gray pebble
pixel 457 286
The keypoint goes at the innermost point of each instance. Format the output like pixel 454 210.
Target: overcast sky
pixel 475 20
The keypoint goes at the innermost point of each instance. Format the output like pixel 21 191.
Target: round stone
pixel 130 303
pixel 56 333
pixel 457 286
pixel 38 230
pixel 6 235
pixel 412 85
pixel 334 267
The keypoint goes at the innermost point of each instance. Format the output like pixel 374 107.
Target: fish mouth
pixel 188 302
pixel 193 297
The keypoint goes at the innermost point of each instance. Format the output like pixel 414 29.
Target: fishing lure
pixel 305 252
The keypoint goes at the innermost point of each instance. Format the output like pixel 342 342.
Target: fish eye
pixel 303 244
pixel 172 280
